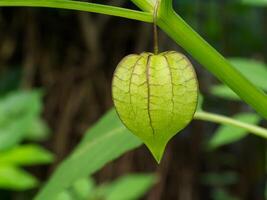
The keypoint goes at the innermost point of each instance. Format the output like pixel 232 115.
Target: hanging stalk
pixel 81 6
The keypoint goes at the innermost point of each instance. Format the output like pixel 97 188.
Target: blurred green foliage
pixel 229 134
pixel 20 121
pixel 20 118
pixel 253 70
pixel 255 2
pixel 220 182
pixel 105 141
pixel 128 187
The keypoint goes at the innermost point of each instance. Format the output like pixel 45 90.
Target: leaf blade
pixel 16 179
pixel 139 184
pixel 26 155
pixel 85 159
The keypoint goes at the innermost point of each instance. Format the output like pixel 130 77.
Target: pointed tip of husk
pixel 158 158
pixel 157 151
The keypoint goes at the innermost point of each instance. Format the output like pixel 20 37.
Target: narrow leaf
pixel 83 187
pixel 38 130
pixel 105 142
pixel 16 179
pixel 26 155
pixel 130 187
pixel 17 112
pixel 64 196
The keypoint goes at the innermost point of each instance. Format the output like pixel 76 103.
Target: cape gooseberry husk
pixel 155 96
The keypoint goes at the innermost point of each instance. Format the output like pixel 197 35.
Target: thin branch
pixel 82 6
pixel 205 116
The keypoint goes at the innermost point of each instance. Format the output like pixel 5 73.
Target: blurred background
pixel 56 68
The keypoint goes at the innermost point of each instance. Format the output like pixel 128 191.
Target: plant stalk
pixel 82 6
pixel 205 116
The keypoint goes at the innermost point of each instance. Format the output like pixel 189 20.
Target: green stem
pixel 82 6
pixel 206 55
pixel 205 116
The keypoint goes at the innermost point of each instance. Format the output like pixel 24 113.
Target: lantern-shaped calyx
pixel 155 96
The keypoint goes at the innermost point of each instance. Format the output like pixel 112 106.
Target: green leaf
pixel 155 96
pixel 64 196
pixel 19 103
pixel 38 131
pixel 130 187
pixel 14 132
pixel 253 70
pixel 106 141
pixel 229 134
pixel 255 2
pixel 16 179
pixel 82 188
pixel 26 155
pixel 18 110
pixel 99 192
